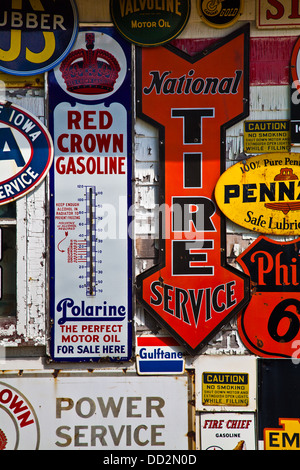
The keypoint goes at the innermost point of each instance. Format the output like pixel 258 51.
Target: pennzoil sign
pixel 262 193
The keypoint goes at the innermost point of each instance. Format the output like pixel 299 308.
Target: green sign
pixel 149 22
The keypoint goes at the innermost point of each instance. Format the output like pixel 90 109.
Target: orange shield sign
pixel 192 292
pixel 270 325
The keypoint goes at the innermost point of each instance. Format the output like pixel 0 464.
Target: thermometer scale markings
pixel 90 200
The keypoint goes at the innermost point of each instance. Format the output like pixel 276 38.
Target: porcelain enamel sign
pixel 26 152
pixel 35 35
pixel 90 196
pixel 269 325
pixel 192 291
pixel 262 193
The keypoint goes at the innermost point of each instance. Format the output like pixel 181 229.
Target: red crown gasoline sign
pixel 192 292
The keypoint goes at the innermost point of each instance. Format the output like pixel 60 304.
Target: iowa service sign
pixel 192 291
pixel 26 152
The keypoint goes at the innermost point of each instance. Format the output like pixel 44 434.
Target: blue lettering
pixel 9 149
pixel 85 312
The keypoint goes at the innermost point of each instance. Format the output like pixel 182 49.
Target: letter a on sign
pixel 192 100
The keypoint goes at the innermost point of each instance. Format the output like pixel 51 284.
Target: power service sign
pixel 90 96
pixel 192 291
pixel 35 35
pixel 26 152
pixel 87 411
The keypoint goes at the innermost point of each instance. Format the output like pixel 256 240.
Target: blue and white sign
pixel 90 184
pixel 35 35
pixel 159 355
pixel 26 152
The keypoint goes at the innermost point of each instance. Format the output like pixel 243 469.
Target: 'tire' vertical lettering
pixel 192 291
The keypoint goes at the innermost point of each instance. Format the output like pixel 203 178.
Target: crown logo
pixel 88 71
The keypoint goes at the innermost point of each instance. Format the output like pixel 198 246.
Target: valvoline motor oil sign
pixel 192 291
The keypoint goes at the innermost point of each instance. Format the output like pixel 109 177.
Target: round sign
pixel 26 152
pixel 34 39
pixel 149 23
pixel 220 13
pixel 19 426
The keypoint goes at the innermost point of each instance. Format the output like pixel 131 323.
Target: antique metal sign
pixel 35 35
pixel 225 389
pixel 228 431
pixel 278 404
pixel 26 152
pixel 284 437
pixel 269 326
pixel 90 411
pixel 149 23
pixel 220 13
pixel 159 355
pixel 262 193
pixel 226 385
pixel 90 198
pixel 272 14
pixel 192 291
pixel 266 136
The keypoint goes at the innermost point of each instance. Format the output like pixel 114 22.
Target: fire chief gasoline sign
pixel 192 291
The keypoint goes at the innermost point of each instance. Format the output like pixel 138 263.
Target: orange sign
pixel 269 326
pixel 192 100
